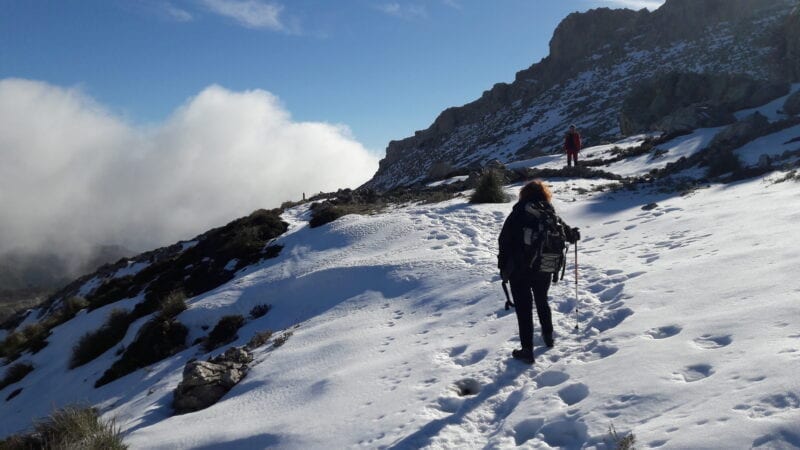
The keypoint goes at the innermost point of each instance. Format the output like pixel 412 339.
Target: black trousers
pixel 528 289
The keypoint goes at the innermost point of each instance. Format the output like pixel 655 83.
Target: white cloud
pixel 637 4
pixel 73 175
pixel 403 11
pixel 452 3
pixel 177 14
pixel 249 13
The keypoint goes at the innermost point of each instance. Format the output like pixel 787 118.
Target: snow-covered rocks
pixel 205 382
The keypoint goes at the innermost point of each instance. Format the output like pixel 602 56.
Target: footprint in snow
pixel 664 332
pixel 709 342
pixel 693 373
pixel 473 358
pixel 527 430
pixel 551 378
pixel 574 393
pixel 787 402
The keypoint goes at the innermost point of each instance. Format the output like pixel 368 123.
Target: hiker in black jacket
pixel 521 262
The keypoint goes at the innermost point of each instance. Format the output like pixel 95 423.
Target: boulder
pixel 741 132
pixel 694 116
pixel 792 105
pixel 205 382
pixel 680 101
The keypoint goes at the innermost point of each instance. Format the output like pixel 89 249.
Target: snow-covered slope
pixel 688 314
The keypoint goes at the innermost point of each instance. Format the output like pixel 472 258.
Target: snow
pixel 772 145
pixel 688 329
pixel 131 269
pixel 688 334
pixel 448 181
pixel 772 110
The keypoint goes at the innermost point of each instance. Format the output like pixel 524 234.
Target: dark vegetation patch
pixel 33 337
pixel 14 373
pixel 95 343
pixel 280 340
pixel 327 207
pixel 193 271
pixel 73 427
pixel 224 332
pixel 326 212
pixel 258 339
pixel 202 267
pixel 569 172
pixel 619 154
pixel 490 189
pixel 260 310
pixel 160 337
pixel 792 175
pixel 14 393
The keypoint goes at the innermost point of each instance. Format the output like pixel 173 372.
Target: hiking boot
pixel 548 340
pixel 523 354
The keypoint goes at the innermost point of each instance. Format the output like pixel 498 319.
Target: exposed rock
pixel 692 117
pixel 741 132
pixel 495 165
pixel 649 206
pixel 595 58
pixel 791 42
pixel 792 105
pixel 440 170
pixel 686 101
pixel 205 382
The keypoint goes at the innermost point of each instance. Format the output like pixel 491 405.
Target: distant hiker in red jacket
pixel 572 145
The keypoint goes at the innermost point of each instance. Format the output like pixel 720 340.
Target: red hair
pixel 534 191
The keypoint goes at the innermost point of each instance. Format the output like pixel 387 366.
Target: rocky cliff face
pixel 595 59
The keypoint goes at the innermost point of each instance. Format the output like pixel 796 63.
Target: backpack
pixel 545 240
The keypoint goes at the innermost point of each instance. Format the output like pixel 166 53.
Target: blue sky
pixel 382 68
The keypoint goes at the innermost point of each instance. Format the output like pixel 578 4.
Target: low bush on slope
pixel 160 337
pixel 223 332
pixel 490 189
pixel 72 427
pixel 212 261
pixel 95 343
pixel 14 373
pixel 33 337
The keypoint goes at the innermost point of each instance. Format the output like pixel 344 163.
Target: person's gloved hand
pixel 573 235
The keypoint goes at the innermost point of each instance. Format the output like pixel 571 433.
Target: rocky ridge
pixel 595 59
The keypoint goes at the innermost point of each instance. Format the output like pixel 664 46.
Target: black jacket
pixel 511 258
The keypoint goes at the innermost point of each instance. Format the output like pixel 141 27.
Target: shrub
pixel 626 442
pixel 73 427
pixel 280 340
pixel 15 373
pixel 71 307
pixel 260 310
pixel 259 339
pixel 173 304
pixel 95 343
pixel 724 162
pixel 490 189
pixel 224 331
pixel 325 214
pixel 159 338
pixel 31 338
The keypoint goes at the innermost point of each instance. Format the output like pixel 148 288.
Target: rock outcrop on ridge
pixel 595 59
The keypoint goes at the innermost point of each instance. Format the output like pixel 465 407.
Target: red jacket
pixel 572 142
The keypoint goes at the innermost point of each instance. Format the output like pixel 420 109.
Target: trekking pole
pixel 577 299
pixel 509 303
